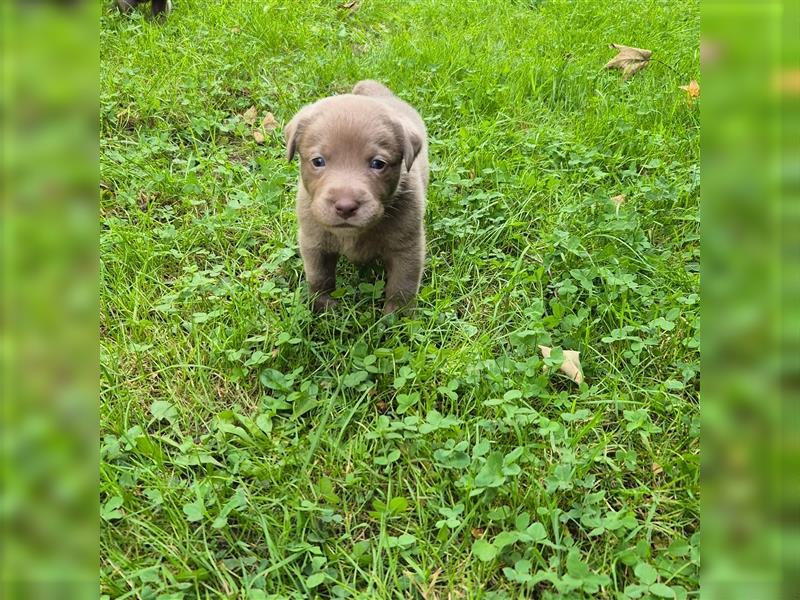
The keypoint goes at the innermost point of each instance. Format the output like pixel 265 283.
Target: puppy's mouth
pixel 345 226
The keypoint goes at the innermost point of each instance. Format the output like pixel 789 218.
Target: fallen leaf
pixel 571 366
pixel 657 468
pixel 269 123
pixel 429 592
pixel 352 5
pixel 618 201
pixel 250 115
pixel 693 90
pixel 478 532
pixel 710 52
pixel 630 60
pixel 787 82
pixel 258 136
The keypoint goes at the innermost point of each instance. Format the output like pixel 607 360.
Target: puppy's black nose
pixel 346 208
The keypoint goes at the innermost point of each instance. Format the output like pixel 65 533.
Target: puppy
pixel 361 190
pixel 157 7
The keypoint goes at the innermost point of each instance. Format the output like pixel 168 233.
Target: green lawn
pixel 253 450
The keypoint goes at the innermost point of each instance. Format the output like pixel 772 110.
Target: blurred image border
pixel 51 327
pixel 50 330
pixel 750 134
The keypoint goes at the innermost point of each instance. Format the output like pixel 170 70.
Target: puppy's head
pixel 352 150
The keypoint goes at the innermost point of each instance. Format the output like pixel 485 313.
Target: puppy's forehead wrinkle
pixel 351 132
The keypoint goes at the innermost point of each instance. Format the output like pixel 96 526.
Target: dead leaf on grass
pixel 258 136
pixel 571 366
pixel 631 60
pixel 787 82
pixel 618 201
pixel 657 468
pixel 250 115
pixel 351 6
pixel 269 124
pixel 429 591
pixel 692 90
pixel 710 52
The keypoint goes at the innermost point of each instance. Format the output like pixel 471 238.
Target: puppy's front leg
pixel 320 268
pixel 403 274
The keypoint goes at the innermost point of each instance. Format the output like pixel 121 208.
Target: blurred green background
pixel 750 174
pixel 750 230
pixel 49 306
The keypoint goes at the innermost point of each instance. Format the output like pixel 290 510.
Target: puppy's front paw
pixel 324 303
pixel 399 307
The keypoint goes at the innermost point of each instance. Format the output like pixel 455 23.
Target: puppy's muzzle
pixel 348 204
pixel 345 207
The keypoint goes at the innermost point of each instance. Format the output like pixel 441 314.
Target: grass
pixel 253 450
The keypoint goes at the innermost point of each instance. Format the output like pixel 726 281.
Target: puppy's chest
pixel 358 249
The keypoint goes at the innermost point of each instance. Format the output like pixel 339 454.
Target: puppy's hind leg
pixel 161 7
pixel 157 7
pixel 126 6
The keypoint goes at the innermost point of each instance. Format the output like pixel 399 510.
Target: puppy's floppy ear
pixel 412 143
pixel 412 147
pixel 294 129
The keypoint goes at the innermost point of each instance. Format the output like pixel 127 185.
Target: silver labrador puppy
pixel 361 191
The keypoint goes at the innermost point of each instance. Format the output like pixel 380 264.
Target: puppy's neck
pixel 346 234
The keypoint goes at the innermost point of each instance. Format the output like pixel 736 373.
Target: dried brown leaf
pixel 710 52
pixel 258 136
pixel 631 60
pixel 618 201
pixel 429 591
pixel 269 124
pixel 352 5
pixel 657 468
pixel 787 82
pixel 692 90
pixel 250 115
pixel 571 366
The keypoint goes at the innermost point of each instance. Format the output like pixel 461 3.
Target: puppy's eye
pixel 377 164
pixel 318 161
